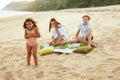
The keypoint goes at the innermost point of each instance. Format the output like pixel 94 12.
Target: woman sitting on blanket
pixel 59 35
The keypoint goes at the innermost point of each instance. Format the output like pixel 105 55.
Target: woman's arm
pixel 53 38
pixel 57 31
pixel 62 33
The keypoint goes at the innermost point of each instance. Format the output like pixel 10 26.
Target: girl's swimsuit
pixel 32 41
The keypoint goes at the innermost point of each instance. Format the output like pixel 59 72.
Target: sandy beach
pixel 103 63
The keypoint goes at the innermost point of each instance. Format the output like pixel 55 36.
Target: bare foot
pixel 36 66
pixel 28 64
pixel 93 45
pixel 58 53
pixel 88 44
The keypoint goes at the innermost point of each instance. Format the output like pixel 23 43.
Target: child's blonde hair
pixel 86 16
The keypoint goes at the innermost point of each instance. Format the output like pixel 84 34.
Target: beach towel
pixel 67 48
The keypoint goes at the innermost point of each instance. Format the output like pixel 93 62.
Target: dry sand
pixel 103 63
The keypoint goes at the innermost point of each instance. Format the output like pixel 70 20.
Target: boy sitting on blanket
pixel 85 32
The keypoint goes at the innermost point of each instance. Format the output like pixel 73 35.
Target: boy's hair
pixel 29 20
pixel 86 16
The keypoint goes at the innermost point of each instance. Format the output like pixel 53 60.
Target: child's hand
pixel 30 35
pixel 60 37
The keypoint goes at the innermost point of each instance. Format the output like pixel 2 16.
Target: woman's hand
pixel 60 37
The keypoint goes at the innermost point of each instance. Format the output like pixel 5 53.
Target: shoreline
pixel 9 13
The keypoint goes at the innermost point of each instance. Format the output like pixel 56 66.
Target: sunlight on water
pixel 6 13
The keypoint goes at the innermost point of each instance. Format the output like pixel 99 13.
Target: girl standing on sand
pixel 59 35
pixel 31 34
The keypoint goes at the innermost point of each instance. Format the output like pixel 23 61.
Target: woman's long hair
pixel 53 19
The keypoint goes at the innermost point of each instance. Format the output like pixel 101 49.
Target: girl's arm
pixel 26 35
pixel 37 34
pixel 77 33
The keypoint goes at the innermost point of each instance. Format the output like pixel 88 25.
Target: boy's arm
pixel 89 31
pixel 78 31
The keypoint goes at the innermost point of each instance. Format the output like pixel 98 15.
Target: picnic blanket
pixel 67 48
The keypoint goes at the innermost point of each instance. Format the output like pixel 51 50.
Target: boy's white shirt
pixel 84 29
pixel 61 31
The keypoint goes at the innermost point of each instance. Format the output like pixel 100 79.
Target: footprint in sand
pixel 116 71
pixel 40 74
pixel 19 73
pixel 3 68
pixel 90 70
pixel 113 60
pixel 8 76
pixel 103 67
pixel 0 47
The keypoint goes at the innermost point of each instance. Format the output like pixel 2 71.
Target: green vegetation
pixel 40 5
pixel 44 5
pixel 82 44
pixel 63 46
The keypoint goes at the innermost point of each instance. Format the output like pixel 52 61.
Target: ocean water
pixel 6 13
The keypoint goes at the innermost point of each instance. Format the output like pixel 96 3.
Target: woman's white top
pixel 61 31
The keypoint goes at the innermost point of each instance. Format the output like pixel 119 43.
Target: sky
pixel 3 3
